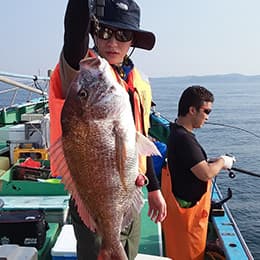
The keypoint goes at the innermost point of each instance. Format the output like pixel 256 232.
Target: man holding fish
pixel 106 157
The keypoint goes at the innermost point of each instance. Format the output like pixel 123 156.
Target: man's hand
pixel 228 161
pixel 157 206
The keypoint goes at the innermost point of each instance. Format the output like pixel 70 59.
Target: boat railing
pixel 12 84
pixel 235 227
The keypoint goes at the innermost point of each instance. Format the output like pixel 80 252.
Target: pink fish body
pixel 100 147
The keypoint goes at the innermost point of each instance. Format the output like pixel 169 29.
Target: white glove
pixel 228 161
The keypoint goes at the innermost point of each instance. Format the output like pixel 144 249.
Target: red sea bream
pixel 100 146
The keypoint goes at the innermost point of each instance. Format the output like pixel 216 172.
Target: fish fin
pixel 145 146
pixel 137 205
pixel 59 165
pixel 121 154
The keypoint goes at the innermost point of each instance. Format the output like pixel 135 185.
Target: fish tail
pixel 112 254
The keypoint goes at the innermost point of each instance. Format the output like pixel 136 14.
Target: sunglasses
pixel 121 35
pixel 206 110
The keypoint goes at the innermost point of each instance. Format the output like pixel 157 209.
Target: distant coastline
pixel 221 78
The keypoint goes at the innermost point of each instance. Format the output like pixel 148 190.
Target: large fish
pixel 100 146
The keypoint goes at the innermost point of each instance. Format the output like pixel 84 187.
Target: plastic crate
pixel 34 153
pixel 10 187
pixel 9 115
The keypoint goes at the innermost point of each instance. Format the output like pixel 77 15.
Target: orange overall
pixel 184 229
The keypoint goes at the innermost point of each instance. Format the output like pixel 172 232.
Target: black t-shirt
pixel 184 152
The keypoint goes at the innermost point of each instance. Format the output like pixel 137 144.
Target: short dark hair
pixel 193 96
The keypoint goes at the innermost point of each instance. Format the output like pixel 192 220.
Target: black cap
pixel 125 14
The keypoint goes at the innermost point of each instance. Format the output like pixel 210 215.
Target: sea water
pixel 236 104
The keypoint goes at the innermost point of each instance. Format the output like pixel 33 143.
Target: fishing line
pixel 218 124
pixel 234 127
pixel 210 123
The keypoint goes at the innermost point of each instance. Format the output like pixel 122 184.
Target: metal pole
pixel 21 85
pixel 21 76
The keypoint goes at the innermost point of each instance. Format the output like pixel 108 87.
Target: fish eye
pixel 83 93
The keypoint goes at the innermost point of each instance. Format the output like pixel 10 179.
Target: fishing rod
pixel 232 175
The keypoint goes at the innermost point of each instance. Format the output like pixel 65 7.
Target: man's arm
pixel 151 175
pixel 206 170
pixel 157 205
pixel 76 35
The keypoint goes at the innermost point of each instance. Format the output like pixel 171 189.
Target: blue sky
pixel 199 37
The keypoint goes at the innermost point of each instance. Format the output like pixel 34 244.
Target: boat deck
pixel 151 237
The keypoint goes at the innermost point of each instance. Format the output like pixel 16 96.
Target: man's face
pixel 113 44
pixel 202 115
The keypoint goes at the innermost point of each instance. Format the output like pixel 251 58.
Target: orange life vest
pixel 184 229
pixel 142 105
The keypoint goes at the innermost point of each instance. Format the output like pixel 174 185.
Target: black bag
pixel 23 227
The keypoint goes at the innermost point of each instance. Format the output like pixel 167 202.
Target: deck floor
pixel 151 239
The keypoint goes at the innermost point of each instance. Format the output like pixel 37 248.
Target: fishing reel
pixel 231 174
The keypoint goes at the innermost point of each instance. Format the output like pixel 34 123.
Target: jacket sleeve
pixel 151 175
pixel 76 32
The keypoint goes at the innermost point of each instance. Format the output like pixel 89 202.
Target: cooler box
pixel 15 252
pixel 16 133
pixel 65 246
pixel 55 207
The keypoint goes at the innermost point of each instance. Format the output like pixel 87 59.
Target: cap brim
pixel 142 39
